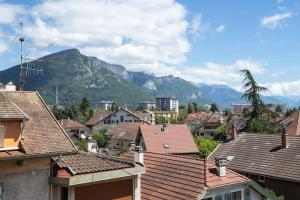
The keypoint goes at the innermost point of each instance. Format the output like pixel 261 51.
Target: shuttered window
pixel 247 194
pixel 2 134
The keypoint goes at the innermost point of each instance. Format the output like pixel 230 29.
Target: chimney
pixel 139 155
pixel 284 138
pixel 164 128
pixel 221 166
pixel 233 132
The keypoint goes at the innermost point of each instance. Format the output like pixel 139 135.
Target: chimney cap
pixel 138 149
pixel 222 161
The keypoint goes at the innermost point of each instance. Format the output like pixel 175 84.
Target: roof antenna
pixel 56 97
pixel 22 74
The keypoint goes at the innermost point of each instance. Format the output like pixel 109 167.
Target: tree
pixel 221 133
pixel 214 107
pixel 252 94
pixel 101 139
pixel 114 106
pixel 190 108
pixel 278 109
pixel 160 119
pixel 205 146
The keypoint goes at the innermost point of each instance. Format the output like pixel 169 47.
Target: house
pixel 104 105
pixel 166 104
pixel 195 119
pixel 171 138
pixel 147 115
pixel 123 135
pixel 238 108
pixel 271 160
pixel 210 125
pixel 87 176
pixel 29 137
pixel 185 178
pixel 111 119
pixel 147 105
pixel 292 123
pixel 74 129
pixel 10 86
pixel 168 115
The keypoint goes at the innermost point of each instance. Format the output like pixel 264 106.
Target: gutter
pixel 25 157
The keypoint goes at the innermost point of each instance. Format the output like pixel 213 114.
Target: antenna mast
pixel 22 74
pixel 56 97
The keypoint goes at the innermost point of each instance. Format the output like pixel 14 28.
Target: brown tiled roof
pixel 69 123
pixel 178 138
pixel 262 154
pixel 83 163
pixel 196 116
pixel 171 177
pixel 8 110
pixel 97 118
pixel 293 122
pixel 42 134
pixel 124 131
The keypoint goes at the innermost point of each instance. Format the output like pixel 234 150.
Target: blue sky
pixel 203 41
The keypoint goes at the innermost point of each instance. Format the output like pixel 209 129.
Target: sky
pixel 202 41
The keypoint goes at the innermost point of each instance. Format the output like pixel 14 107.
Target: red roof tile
pixel 124 131
pixel 98 118
pixel 69 123
pixel 177 139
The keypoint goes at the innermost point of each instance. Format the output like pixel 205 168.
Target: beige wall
pixel 12 134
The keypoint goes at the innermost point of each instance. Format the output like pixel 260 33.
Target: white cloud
pixel 213 73
pixel 9 12
pixel 275 21
pixel 195 25
pixel 138 34
pixel 284 88
pixel 221 28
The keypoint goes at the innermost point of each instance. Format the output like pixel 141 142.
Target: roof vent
pixel 164 128
pixel 221 164
pixel 166 146
pixel 139 155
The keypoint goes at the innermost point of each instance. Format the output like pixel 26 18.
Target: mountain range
pixel 76 76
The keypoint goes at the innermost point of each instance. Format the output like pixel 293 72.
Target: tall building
pixel 104 105
pixel 166 104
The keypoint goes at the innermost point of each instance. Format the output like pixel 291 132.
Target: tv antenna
pixel 32 66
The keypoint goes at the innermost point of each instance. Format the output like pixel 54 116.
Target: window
pixel 219 197
pixel 234 196
pixel 209 198
pixel 247 194
pixel 2 134
pixel 261 179
pixel 121 118
pixel 64 193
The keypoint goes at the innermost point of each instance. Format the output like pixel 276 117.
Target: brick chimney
pixel 139 155
pixel 164 128
pixel 221 164
pixel 284 138
pixel 233 132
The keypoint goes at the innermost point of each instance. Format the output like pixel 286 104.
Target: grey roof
pixel 8 110
pixel 83 163
pixel 263 154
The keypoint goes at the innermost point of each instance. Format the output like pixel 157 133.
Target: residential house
pixel 171 138
pixel 168 115
pixel 194 120
pixel 104 105
pixel 92 176
pixel 147 115
pixel 10 86
pixel 29 137
pixel 238 108
pixel 271 160
pixel 2 87
pixel 179 177
pixel 123 135
pixel 167 104
pixel 147 105
pixel 112 119
pixel 292 123
pixel 74 129
pixel 210 125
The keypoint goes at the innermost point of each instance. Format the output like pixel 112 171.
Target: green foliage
pixel 160 119
pixel 190 108
pixel 124 150
pixel 205 146
pixel 101 139
pixel 214 107
pixel 220 133
pixel 183 113
pixel 81 145
pixel 273 194
pixel 114 106
pixel 279 109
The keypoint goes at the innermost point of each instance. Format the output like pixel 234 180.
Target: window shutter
pixel 2 134
pixel 247 194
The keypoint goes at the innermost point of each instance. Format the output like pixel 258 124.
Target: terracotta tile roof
pixel 9 154
pixel 8 110
pixel 293 123
pixel 69 123
pixel 196 116
pixel 177 139
pixel 263 154
pixel 171 177
pixel 124 131
pixel 97 118
pixel 42 134
pixel 83 163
